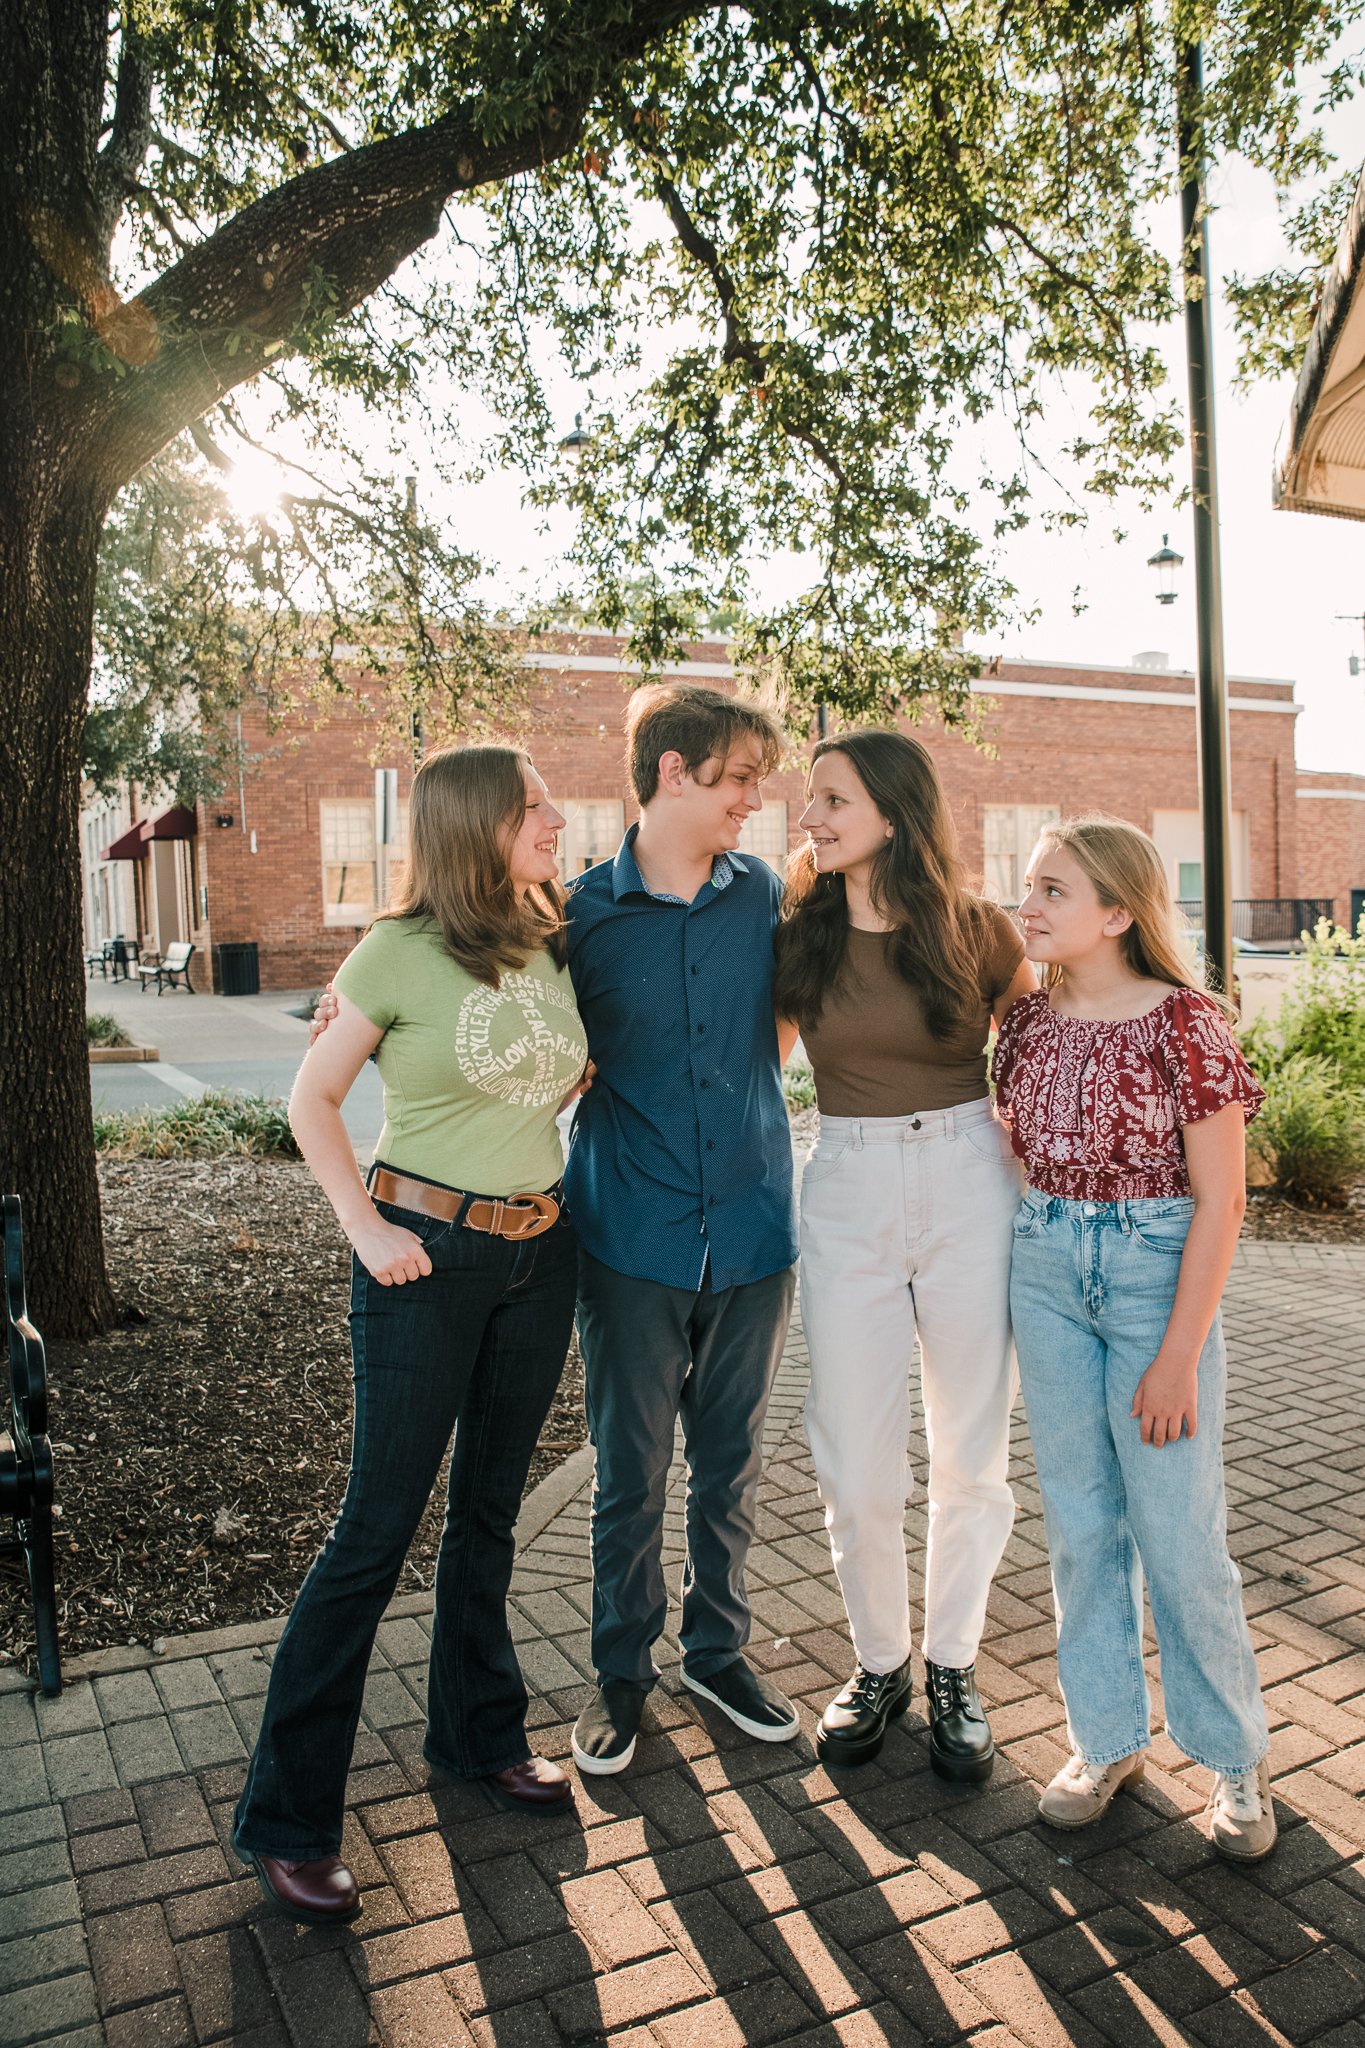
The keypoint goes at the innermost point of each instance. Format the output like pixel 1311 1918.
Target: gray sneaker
pixel 1082 1791
pixel 752 1701
pixel 1242 1815
pixel 603 1740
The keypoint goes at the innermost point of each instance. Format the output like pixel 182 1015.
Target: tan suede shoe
pixel 1242 1815
pixel 1082 1791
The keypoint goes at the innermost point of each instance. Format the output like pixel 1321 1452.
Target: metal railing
pixel 1276 921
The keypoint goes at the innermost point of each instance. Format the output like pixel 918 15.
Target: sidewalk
pixel 725 1893
pixel 249 1043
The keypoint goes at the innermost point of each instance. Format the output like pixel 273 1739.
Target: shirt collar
pixel 626 877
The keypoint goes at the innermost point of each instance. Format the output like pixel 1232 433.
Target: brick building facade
pixel 1332 841
pixel 299 856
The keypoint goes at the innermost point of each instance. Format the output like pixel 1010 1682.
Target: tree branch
pixel 739 346
pixel 335 232
pixel 121 158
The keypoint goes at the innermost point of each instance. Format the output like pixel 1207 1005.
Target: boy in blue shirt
pixel 679 1181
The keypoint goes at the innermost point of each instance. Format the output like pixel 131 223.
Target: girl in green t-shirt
pixel 461 1304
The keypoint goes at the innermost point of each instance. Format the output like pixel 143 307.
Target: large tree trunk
pixel 49 543
pixel 90 390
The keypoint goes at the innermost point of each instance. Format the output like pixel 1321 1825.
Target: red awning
pixel 177 823
pixel 131 845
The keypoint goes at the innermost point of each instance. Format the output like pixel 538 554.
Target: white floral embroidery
pixel 1095 1108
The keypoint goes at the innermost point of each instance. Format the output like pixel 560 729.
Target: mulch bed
pixel 202 1446
pixel 1269 1218
pixel 224 1398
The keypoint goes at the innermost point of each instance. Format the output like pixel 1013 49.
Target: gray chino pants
pixel 653 1355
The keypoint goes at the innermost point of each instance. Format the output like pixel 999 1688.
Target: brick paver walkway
pixel 723 1892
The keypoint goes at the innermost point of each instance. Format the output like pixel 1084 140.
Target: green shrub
pixel 1322 1015
pixel 253 1125
pixel 102 1029
pixel 798 1085
pixel 1311 1133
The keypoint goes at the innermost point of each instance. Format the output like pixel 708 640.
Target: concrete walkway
pixel 725 1893
pixel 252 1044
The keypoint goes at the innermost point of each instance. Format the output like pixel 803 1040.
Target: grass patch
pixel 102 1029
pixel 217 1125
pixel 798 1085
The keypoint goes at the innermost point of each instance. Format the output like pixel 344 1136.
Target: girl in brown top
pixel 894 972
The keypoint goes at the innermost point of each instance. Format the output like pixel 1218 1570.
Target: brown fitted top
pixel 872 1053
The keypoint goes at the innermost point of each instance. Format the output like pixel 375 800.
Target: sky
pixel 1286 575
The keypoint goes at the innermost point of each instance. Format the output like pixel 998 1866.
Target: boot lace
pixel 868 1687
pixel 949 1689
pixel 1240 1796
pixel 1081 1775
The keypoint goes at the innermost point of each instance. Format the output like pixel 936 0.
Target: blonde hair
pixel 468 803
pixel 1127 874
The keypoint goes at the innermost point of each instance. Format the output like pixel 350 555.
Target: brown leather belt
pixel 518 1216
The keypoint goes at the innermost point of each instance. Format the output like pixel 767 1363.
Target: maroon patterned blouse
pixel 1095 1108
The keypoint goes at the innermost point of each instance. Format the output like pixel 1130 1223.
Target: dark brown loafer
pixel 322 1893
pixel 534 1783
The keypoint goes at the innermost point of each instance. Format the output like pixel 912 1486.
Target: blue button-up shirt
pixel 681 1150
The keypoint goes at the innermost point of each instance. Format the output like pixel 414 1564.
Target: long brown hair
pixel 468 803
pixel 918 883
pixel 1127 873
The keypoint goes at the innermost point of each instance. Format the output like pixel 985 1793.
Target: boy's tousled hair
pixel 1127 873
pixel 699 723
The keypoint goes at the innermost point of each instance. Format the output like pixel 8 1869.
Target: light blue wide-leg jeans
pixel 1091 1290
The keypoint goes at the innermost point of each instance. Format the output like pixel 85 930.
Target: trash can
pixel 237 969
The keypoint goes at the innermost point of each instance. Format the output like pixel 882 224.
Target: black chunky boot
pixel 853 1726
pixel 960 1741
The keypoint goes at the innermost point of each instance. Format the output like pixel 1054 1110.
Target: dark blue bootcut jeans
pixel 477 1348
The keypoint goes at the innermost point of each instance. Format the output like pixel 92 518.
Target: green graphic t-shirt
pixel 473 1076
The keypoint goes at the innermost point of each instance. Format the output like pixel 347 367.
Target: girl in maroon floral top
pixel 1127 1099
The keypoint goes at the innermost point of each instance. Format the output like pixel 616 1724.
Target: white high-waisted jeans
pixel 906 1225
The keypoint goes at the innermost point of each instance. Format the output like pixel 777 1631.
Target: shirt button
pixel 710 1144
pixel 694 970
pixel 704 1084
pixel 701 1028
pixel 711 1202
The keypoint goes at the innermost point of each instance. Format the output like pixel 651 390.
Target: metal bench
pixel 172 972
pixel 26 1475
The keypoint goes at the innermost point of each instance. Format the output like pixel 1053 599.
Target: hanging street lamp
pixel 573 444
pixel 1165 562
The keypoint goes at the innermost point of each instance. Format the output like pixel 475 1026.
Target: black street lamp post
pixel 1211 684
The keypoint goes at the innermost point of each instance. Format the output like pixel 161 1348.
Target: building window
pixel 765 834
pixel 1179 837
pixel 1009 835
pixel 592 833
pixel 393 858
pixel 350 878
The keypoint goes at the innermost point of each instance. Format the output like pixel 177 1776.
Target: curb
pixel 538 1510
pixel 111 1055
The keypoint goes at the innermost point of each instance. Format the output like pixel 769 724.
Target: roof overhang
pixel 179 822
pixel 1322 467
pixel 130 845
